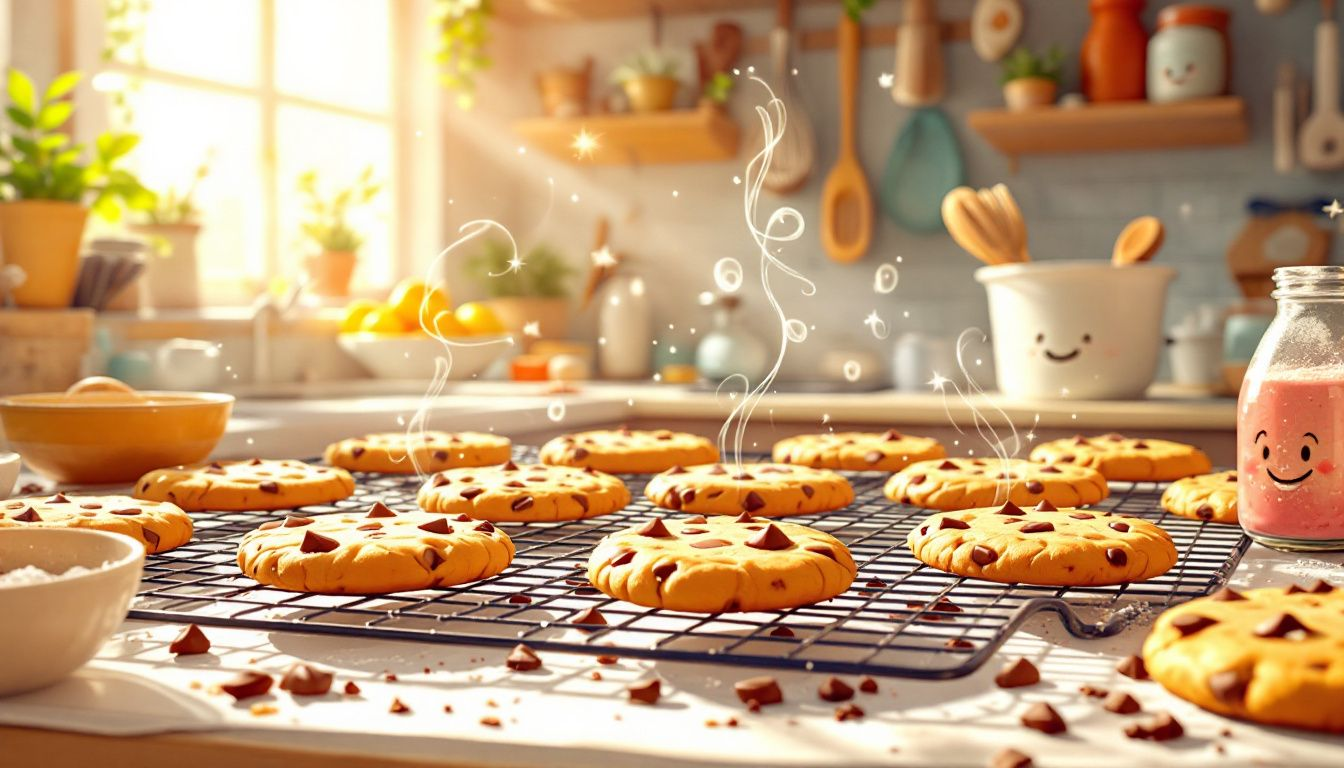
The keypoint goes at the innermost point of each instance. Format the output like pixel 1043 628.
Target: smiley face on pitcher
pixel 1290 462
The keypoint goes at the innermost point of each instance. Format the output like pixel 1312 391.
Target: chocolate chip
pixel 581 500
pixel 1066 458
pixel 314 542
pixel 953 523
pixel 872 457
pixel 717 469
pixel 891 434
pixel 190 642
pixel 306 680
pixel 834 689
pixel 398 707
pixel 1051 470
pixel 580 453
pixel 58 499
pixel 622 557
pixel 521 503
pixel 270 486
pixel 483 527
pixel 1140 444
pixel 29 515
pixel 1321 587
pixel 1133 668
pixel 515 484
pixel 675 469
pixel 1045 506
pixel 1121 703
pixel 867 684
pixel 1034 486
pixel 1017 673
pixel 710 543
pixel 982 555
pixel 440 480
pixel 770 538
pixel 350 688
pixel 1091 691
pixel 645 692
pixel 762 690
pixel 1229 686
pixel 522 659
pixel 437 525
pixel 440 455
pixel 1009 508
pixel 509 466
pixel 589 615
pixel 663 570
pixel 1285 625
pixel 128 512
pixel 1164 727
pixel 1010 758
pixel 151 538
pixel 743 476
pixel 823 550
pixel 782 632
pixel 1117 557
pixel 696 520
pixel 1190 623
pixel 470 493
pixel 357 451
pixel 753 501
pixel 247 684
pixel 687 496
pixel 297 521
pixel 379 509
pixel 1043 717
pixel 1039 526
pixel 848 712
pixel 948 465
pixel 745 517
pixel 1121 527
pixel 654 529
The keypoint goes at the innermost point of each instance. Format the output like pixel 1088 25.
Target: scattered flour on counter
pixel 31 574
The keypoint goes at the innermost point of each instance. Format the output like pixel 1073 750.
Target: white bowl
pixel 49 630
pixel 414 356
pixel 1076 329
pixel 9 473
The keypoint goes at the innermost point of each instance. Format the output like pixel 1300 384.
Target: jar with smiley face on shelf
pixel 1189 56
pixel 1290 417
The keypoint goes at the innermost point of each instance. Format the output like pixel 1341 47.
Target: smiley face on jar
pixel 1291 460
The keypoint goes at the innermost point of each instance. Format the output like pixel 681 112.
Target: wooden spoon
pixel 846 203
pixel 1013 215
pixel 1138 241
pixel 966 227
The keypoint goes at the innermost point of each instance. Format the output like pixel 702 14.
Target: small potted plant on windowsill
pixel 172 227
pixel 330 270
pixel 537 291
pixel 46 183
pixel 1031 81
pixel 649 81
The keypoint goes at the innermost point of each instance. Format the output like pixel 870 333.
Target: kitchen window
pixel 263 90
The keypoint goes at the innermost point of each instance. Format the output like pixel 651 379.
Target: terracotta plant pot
pixel 564 92
pixel 651 93
pixel 42 237
pixel 551 315
pixel 329 273
pixel 170 269
pixel 1029 93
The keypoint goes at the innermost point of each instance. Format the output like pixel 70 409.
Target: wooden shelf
pixel 551 11
pixel 1118 126
pixel 703 134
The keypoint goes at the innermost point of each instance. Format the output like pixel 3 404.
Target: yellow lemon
pixel 355 314
pixel 382 320
pixel 478 318
pixel 411 294
pixel 447 326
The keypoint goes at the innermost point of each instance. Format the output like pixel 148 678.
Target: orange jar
pixel 1115 52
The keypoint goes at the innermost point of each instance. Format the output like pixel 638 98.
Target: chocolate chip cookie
pixel 629 451
pixel 1118 457
pixel 1210 497
pixel 766 490
pixel 965 483
pixel 714 564
pixel 523 493
pixel 1267 655
pixel 252 484
pixel 888 451
pixel 160 526
pixel 372 552
pixel 391 452
pixel 1046 546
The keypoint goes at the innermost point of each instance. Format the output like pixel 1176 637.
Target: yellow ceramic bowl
pixel 105 435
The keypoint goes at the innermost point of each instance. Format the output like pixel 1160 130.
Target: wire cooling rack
pixel 900 617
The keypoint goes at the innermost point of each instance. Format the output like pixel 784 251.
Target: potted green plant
pixel 330 269
pixel 536 292
pixel 649 81
pixel 48 187
pixel 172 227
pixel 1031 81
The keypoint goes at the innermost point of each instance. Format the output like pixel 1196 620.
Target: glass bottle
pixel 1290 417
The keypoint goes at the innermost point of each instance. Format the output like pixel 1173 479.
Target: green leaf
pixel 105 207
pixel 26 147
pixel 62 85
pixel 20 118
pixel 54 114
pixel 113 145
pixel 53 141
pixel 22 94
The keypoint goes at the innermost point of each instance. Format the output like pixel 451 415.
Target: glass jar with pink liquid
pixel 1290 418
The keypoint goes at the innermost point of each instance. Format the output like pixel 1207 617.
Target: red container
pixel 1115 52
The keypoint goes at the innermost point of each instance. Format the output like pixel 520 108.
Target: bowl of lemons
pixel 406 336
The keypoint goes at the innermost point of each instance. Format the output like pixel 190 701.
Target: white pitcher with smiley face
pixel 1290 417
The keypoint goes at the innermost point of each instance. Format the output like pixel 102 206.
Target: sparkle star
pixel 886 79
pixel 603 257
pixel 1334 208
pixel 584 144
pixel 532 329
pixel 939 382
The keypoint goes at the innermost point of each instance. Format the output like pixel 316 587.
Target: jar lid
pixel 1212 16
pixel 1129 5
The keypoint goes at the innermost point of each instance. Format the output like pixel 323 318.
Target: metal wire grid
pixel 900 617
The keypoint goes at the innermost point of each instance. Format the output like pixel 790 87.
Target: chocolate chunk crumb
pixel 190 641
pixel 1043 717
pixel 1017 673
pixel 1132 667
pixel 523 659
pixel 306 680
pixel 835 689
pixel 247 684
pixel 762 690
pixel 848 712
pixel 1121 703
pixel 1010 758
pixel 646 692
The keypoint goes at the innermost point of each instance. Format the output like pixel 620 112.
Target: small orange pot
pixel 651 93
pixel 42 237
pixel 329 272
pixel 1029 93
